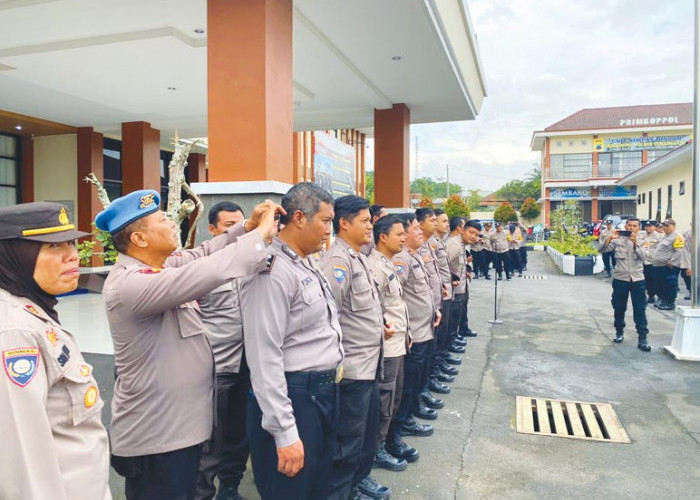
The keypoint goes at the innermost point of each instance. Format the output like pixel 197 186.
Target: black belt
pixel 310 379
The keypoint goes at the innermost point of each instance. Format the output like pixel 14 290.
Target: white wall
pixel 56 170
pixel 681 204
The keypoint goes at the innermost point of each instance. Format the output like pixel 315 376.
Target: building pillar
pixel 197 167
pixel 27 170
pixel 392 156
pixel 90 161
pixel 140 157
pixel 594 204
pixel 249 69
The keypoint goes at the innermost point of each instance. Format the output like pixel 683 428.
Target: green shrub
pixel 86 249
pixel 574 244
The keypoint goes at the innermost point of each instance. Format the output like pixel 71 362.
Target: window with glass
pixel 650 204
pixel 658 205
pixel 681 188
pixel 669 209
pixel 624 162
pixel 655 154
pixel 112 154
pixel 9 170
pixel 571 166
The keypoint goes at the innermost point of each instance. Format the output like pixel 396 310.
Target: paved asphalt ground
pixel 555 342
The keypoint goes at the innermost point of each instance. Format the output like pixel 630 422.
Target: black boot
pixel 431 401
pixel 426 413
pixel 618 338
pixel 651 299
pixel 453 360
pixel 413 428
pixel 443 377
pixel 642 344
pixel 373 489
pixel 436 386
pixel 396 447
pixel 445 368
pixel 667 306
pixel 457 349
pixel 487 277
pixel 470 333
pixel 460 341
pixel 228 492
pixel 387 461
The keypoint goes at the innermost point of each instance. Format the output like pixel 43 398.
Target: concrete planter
pixel 575 265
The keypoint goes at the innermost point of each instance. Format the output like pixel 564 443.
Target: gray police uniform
pixel 608 257
pixel 395 348
pixel 666 262
pixel 499 244
pixel 445 330
pixel 54 443
pixel 226 454
pixel 456 253
pixel 648 241
pixel 421 315
pixel 163 396
pixel 686 258
pixel 362 324
pixel 293 345
pixel 628 281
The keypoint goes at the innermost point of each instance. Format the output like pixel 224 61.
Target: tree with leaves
pixel 530 209
pixel 426 186
pixel 505 213
pixel 565 218
pixel 516 191
pixel 456 207
pixel 473 200
pixel 369 186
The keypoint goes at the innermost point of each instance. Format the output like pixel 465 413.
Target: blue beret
pixel 127 209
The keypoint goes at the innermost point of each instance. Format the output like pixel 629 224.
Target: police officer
pixel 423 316
pixel 478 255
pixel 470 234
pixel 53 442
pixel 500 247
pixel 686 259
pixel 293 346
pixel 163 395
pixel 609 256
pixel 488 259
pixel 523 247
pixel 363 327
pixel 666 262
pixel 648 240
pixel 390 237
pixel 226 454
pixel 515 241
pixel 628 281
pixel 457 254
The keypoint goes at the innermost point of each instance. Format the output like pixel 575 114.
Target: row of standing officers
pixel 316 362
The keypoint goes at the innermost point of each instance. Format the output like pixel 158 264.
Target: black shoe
pixel 437 387
pixel 607 274
pixel 452 360
pixel 618 338
pixel 509 277
pixel 460 341
pixel 449 370
pixel 397 448
pixel 373 489
pixel 487 277
pixel 413 428
pixel 229 492
pixel 520 274
pixel 443 377
pixel 524 268
pixel 470 333
pixel 687 297
pixel 431 401
pixel 643 346
pixel 387 461
pixel 356 494
pixel 666 306
pixel 500 278
pixel 457 349
pixel 426 413
pixel 651 300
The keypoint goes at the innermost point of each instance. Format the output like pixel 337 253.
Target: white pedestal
pixel 685 345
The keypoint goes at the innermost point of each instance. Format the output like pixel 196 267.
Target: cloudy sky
pixel 546 59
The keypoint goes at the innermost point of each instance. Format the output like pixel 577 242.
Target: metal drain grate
pixel 534 277
pixel 569 419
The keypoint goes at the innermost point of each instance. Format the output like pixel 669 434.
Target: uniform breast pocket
pixel 83 392
pixel 620 253
pixel 189 321
pixel 221 297
pixel 393 287
pixel 361 296
pixel 420 280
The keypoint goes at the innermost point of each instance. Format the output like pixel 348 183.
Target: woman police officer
pixel 53 442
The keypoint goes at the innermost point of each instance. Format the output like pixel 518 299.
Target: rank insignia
pixel 32 310
pixel 20 364
pixel 90 397
pixel 150 270
pixel 52 336
pixel 64 357
pixel 85 370
pixel 268 265
pixel 399 266
pixel 426 258
pixel 339 273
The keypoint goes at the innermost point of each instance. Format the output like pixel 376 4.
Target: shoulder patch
pixel 150 270
pixel 32 310
pixel 339 273
pixel 268 265
pixel 679 243
pixel 400 266
pixel 21 364
pixel 52 336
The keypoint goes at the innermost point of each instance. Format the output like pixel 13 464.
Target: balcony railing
pixel 586 171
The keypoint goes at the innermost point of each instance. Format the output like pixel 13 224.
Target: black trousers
pixel 161 476
pixel 414 378
pixel 486 261
pixel 358 428
pixel 651 280
pixel 458 310
pixel 502 262
pixel 477 257
pixel 523 256
pixel 609 260
pixel 390 391
pixel 442 334
pixel 515 264
pixel 622 290
pixel 668 283
pixel 316 412
pixel 686 279
pixel 226 454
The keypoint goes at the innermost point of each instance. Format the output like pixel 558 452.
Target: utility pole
pixel 415 173
pixel 448 181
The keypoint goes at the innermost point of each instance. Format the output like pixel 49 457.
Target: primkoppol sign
pixel 639 143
